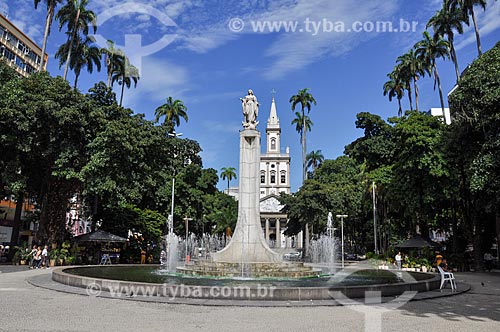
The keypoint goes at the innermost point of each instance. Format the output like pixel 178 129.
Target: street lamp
pixel 171 216
pixel 342 216
pixel 186 221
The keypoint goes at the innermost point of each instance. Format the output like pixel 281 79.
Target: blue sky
pixel 207 65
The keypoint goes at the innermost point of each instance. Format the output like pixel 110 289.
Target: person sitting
pixel 445 267
pixel 439 259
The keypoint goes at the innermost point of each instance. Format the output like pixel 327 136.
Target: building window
pixel 283 177
pixel 262 177
pixel 273 177
pixel 273 143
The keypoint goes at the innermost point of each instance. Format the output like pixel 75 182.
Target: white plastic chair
pixel 447 276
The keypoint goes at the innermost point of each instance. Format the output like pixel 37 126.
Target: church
pixel 275 179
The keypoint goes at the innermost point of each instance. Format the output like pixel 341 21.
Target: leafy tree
pixel 77 18
pixel 51 6
pixel 306 100
pixel 52 120
pixel 228 173
pixel 474 143
pixel 173 111
pixel 419 168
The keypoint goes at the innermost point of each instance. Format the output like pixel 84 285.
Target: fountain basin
pixel 205 268
pixel 126 279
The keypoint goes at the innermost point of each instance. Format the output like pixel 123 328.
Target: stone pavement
pixel 25 307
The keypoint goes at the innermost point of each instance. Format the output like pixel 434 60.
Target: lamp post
pixel 186 222
pixel 170 227
pixel 342 216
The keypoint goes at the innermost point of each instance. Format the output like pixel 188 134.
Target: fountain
pixel 244 267
pixel 248 255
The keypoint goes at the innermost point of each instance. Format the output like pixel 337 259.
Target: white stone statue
pixel 250 107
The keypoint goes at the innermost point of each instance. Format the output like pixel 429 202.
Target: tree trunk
pixel 436 75
pixel 14 240
pixel 453 54
pixel 76 80
pixel 73 37
pixel 400 112
pixel 410 98
pixel 476 29
pixel 123 89
pixel 304 131
pixel 416 92
pixel 48 21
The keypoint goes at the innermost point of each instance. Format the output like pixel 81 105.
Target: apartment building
pixel 18 50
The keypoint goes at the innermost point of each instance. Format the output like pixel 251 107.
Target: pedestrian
pixel 37 260
pixel 488 261
pixel 398 260
pixel 45 261
pixel 32 256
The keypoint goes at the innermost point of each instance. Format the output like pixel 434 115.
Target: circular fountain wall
pixel 150 281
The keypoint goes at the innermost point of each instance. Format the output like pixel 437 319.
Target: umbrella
pixel 418 242
pixel 100 236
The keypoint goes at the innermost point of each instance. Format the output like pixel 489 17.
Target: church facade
pixel 275 179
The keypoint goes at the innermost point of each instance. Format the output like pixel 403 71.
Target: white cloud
pixel 159 79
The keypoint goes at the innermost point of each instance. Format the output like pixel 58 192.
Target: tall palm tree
pixel 467 7
pixel 173 110
pixel 299 123
pixel 114 58
pixel 125 74
pixel 411 69
pixel 77 18
pixel 85 55
pixel 314 160
pixel 445 22
pixel 51 7
pixel 306 100
pixel 228 173
pixel 428 50
pixel 404 76
pixel 395 87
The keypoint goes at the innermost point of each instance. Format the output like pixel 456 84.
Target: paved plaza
pixel 29 308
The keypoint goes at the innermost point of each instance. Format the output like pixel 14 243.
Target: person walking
pixel 398 260
pixel 45 261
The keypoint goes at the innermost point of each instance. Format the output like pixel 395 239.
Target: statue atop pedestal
pixel 250 107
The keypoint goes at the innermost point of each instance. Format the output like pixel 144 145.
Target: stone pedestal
pixel 248 243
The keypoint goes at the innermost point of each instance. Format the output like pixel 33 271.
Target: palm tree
pixel 299 123
pixel 228 173
pixel 114 58
pixel 467 7
pixel 314 160
pixel 403 74
pixel 306 100
pixel 445 22
pixel 173 110
pixel 411 69
pixel 51 7
pixel 85 54
pixel 77 18
pixel 125 74
pixel 395 87
pixel 428 50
